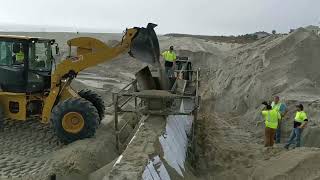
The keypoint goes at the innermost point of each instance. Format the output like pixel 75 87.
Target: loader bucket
pixel 145 45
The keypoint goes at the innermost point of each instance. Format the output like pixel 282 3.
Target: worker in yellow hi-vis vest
pixel 299 123
pixel 272 118
pixel 170 61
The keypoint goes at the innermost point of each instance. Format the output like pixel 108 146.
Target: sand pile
pixel 277 65
pixel 296 164
pixel 229 140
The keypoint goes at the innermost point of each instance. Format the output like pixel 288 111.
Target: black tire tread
pixel 95 99
pixel 85 108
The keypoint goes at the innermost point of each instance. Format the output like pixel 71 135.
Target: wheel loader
pixel 33 85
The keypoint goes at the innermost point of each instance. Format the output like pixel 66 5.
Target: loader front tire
pixel 74 119
pixel 95 99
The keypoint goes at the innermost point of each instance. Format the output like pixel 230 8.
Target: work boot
pixel 286 146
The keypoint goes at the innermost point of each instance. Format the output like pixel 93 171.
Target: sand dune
pixel 285 65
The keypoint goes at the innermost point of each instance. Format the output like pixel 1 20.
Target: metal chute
pixel 145 45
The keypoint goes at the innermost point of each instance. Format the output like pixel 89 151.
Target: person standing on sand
pixel 271 117
pixel 282 109
pixel 300 122
pixel 170 61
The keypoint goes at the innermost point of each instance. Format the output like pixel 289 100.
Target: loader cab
pixel 25 64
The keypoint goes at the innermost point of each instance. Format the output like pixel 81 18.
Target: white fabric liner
pixel 174 143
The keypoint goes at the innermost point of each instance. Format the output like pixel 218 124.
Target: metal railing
pixel 129 94
pixel 119 102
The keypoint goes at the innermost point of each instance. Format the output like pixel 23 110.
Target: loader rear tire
pixel 95 99
pixel 74 119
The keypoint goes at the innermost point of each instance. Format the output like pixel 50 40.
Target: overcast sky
pixel 212 17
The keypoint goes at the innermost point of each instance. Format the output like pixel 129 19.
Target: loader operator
pixel 170 61
pixel 19 54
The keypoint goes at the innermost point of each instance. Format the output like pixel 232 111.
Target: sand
pixel 230 143
pixel 32 151
pixel 235 80
pixel 143 145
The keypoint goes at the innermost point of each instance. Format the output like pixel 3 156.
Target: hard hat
pixel 299 106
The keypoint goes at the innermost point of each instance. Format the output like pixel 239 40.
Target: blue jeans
pixel 277 136
pixel 295 136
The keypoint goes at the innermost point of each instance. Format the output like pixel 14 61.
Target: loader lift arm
pixel 91 52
